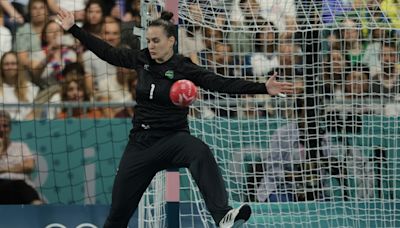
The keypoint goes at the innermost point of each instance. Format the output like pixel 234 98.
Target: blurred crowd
pixel 42 64
pixel 351 46
pixel 341 51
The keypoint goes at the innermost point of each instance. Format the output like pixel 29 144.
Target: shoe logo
pixel 169 74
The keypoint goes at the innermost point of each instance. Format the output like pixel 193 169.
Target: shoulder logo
pixel 169 74
pixel 146 67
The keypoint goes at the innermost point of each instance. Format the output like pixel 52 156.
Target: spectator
pixel 265 57
pixel 117 89
pixel 132 12
pixel 387 82
pixel 28 38
pixel 16 163
pixel 221 60
pixel 353 45
pixel 191 39
pixel 96 68
pixel 52 94
pixel 334 68
pixel 287 175
pixel 118 8
pixel 256 67
pixel 15 88
pixel 332 40
pixel 15 13
pixel 290 64
pixel 374 50
pixel 56 53
pixel 5 35
pixel 357 83
pixel 248 16
pixel 94 17
pixel 129 111
pixel 73 91
pixel 211 38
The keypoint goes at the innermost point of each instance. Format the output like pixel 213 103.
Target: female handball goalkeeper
pixel 160 137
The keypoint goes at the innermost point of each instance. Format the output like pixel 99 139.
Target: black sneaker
pixel 236 217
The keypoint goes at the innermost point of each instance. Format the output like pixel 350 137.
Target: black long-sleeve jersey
pixel 154 108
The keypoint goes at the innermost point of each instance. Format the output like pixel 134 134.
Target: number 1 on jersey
pixel 152 91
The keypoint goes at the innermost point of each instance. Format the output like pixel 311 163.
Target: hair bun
pixel 166 15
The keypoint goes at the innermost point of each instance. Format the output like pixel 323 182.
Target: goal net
pixel 325 156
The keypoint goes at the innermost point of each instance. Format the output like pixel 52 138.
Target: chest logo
pixel 169 74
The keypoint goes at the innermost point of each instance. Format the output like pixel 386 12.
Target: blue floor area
pixel 293 215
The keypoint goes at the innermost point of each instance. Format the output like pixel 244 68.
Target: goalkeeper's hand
pixel 65 19
pixel 279 88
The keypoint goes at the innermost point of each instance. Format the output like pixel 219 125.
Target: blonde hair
pixel 21 87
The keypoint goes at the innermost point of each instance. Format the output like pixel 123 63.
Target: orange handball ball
pixel 183 93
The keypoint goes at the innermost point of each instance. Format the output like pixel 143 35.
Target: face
pixel 112 33
pixel 351 32
pixel 74 92
pixel 250 8
pixel 265 38
pixel 389 57
pixel 94 14
pixel 38 12
pixel 337 61
pixel 286 57
pixel 54 33
pixel 357 83
pixel 160 46
pixel 211 36
pixel 222 54
pixel 268 35
pixel 333 42
pixel 10 66
pixel 195 12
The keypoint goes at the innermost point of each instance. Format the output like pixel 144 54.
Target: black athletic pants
pixel 17 192
pixel 149 152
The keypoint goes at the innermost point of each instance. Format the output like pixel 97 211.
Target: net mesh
pixel 327 155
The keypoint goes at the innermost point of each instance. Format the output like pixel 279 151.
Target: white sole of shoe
pixel 238 223
pixel 244 211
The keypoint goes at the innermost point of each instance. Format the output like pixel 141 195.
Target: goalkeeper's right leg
pixel 193 153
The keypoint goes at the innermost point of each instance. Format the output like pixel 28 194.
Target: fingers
pixel 58 21
pixel 282 95
pixel 273 77
pixel 286 84
pixel 70 14
pixel 62 13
